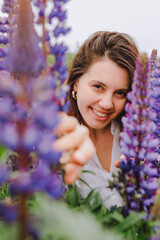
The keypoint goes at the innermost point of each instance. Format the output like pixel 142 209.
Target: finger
pixel 85 152
pixel 71 140
pixel 72 173
pixel 117 164
pixel 66 158
pixel 66 124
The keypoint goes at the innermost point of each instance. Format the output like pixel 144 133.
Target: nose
pixel 106 101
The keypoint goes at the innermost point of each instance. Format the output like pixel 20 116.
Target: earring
pixel 74 94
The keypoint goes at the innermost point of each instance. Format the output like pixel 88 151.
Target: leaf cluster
pixel 136 226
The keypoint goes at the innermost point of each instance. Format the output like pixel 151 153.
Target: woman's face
pixel 101 93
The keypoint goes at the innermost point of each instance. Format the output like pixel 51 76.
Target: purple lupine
pixel 5 28
pixel 30 60
pixel 8 212
pixel 155 97
pixel 30 99
pixel 56 13
pixel 138 162
pixel 4 40
pixel 152 59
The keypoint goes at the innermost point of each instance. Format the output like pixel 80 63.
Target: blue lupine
pixel 3 174
pixel 4 40
pixel 60 30
pixel 2 53
pixel 138 143
pixel 61 15
pixel 8 212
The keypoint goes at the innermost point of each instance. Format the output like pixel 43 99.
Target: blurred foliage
pixel 4 191
pixel 3 153
pixel 8 231
pixel 74 218
pixel 133 227
pixel 69 59
pixel 58 222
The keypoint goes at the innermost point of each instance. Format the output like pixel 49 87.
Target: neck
pixel 96 134
pixel 103 141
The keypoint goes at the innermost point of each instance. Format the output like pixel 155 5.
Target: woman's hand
pixel 76 145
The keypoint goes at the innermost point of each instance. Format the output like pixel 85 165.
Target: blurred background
pixel 138 18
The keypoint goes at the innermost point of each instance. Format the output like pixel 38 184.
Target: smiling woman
pixel 100 78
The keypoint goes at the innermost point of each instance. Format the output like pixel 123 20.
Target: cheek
pixel 82 102
pixel 121 105
pixel 84 97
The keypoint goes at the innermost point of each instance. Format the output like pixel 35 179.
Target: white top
pixel 99 181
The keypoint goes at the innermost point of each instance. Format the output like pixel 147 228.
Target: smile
pixel 99 114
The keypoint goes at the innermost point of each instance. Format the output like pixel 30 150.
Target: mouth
pixel 100 114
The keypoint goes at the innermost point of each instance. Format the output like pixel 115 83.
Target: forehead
pixel 109 73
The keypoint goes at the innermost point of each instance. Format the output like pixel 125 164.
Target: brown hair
pixel 118 47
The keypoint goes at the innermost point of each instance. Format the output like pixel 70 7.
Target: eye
pixel 121 93
pixel 98 86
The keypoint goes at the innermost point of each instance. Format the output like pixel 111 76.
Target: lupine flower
pixel 4 34
pixel 53 30
pixel 152 59
pixel 30 99
pixel 8 212
pixel 61 15
pixel 139 172
pixel 3 174
pixel 155 96
pixel 25 41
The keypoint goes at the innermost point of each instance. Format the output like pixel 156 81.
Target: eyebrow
pixel 101 83
pixel 123 89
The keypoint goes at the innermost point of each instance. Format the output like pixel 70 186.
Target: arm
pixel 76 145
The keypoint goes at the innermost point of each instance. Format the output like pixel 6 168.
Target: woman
pixel 100 78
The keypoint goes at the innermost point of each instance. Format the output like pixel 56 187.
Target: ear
pixel 75 86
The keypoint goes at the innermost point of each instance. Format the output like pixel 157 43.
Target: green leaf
pixel 112 216
pixel 97 202
pixel 4 191
pixel 103 211
pixel 131 234
pixel 117 216
pixel 130 221
pixel 90 197
pixel 51 58
pixel 85 183
pixel 87 171
pixel 72 196
pixel 155 223
pixel 3 153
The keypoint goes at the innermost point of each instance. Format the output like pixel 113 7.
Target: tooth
pixel 100 114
